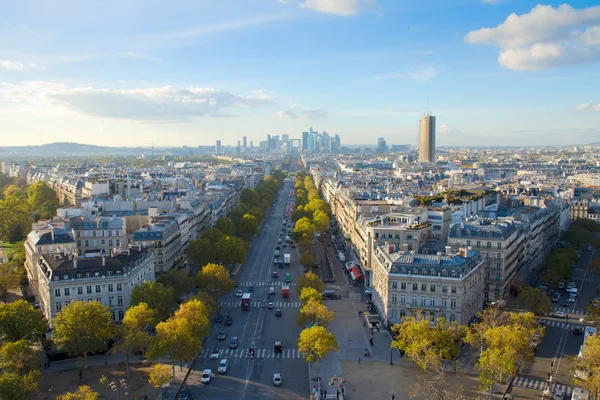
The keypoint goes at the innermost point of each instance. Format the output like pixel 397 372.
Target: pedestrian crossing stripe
pixel 568 311
pixel 267 284
pixel 558 324
pixel 539 384
pixel 276 304
pixel 260 353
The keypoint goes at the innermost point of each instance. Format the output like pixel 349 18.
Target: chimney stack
pixel 463 252
pixel 405 247
pixel 390 248
pixel 438 257
pixel 448 249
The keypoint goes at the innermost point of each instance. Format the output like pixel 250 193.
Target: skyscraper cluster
pixel 320 142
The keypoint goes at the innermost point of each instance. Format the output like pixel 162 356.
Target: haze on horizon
pixel 496 72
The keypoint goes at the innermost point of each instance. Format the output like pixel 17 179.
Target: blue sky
pixel 188 72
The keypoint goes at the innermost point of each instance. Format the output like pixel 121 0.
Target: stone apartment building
pixel 64 277
pixel 99 234
pixel 163 238
pixel 448 286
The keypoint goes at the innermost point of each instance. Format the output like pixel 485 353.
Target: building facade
pixel 427 138
pixel 164 240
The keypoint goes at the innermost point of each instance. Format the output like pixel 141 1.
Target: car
pixel 280 234
pixel 558 314
pixel 267 226
pixel 284 245
pixel 275 261
pixel 276 247
pixel 275 274
pixel 206 375
pixel 561 285
pixel 215 353
pixel 276 379
pixel 223 364
pixel 278 347
pixel 555 297
pixel 571 285
pixel 228 320
pixel 233 344
pixel 185 394
pixel 278 240
pixel 577 330
pixel 270 305
pixel 293 245
pixel 238 293
pixel 222 334
pixel 278 313
pixel 572 299
pixel 218 318
pixel 251 288
pixel 236 284
pixel 589 248
pixel 565 303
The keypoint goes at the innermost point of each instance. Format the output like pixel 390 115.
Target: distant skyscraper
pixel 245 141
pixel 304 140
pixel 338 143
pixel 427 138
pixel 218 147
pixel 381 145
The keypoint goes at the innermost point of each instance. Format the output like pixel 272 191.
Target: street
pixel 258 327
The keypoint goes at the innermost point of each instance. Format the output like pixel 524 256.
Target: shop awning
pixel 355 274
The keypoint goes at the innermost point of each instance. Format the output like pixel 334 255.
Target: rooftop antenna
pixel 427 105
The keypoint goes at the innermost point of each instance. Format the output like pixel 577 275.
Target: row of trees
pixel 312 213
pixel 504 341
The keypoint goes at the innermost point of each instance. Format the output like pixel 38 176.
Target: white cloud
pixel 421 75
pixel 304 114
pixel 18 66
pixel 448 130
pixel 428 52
pixel 167 103
pixel 588 107
pixel 291 104
pixel 340 7
pixel 546 37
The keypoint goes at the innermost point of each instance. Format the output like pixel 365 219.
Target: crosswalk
pixel 578 278
pixel 276 304
pixel 260 353
pixel 569 311
pixel 268 284
pixel 558 324
pixel 539 384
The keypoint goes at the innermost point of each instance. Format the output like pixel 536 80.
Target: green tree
pixel 300 212
pixel 307 259
pixel 159 376
pixel 209 302
pixel 82 328
pixel 42 199
pixel 552 277
pixel 195 313
pixel 315 312
pixel 309 293
pixel 310 280
pixel 214 279
pixel 257 213
pixel 135 331
pixel 201 252
pixel 82 393
pixel 10 278
pixel 20 320
pixel 315 343
pixel 304 231
pixel 248 227
pixel 19 357
pixel 179 280
pixel 226 226
pixel 249 197
pixel 231 250
pixel 534 300
pixel 321 221
pixel 15 221
pixel 588 364
pixel 578 237
pixel 174 339
pixel 14 386
pixel 237 213
pixel 159 298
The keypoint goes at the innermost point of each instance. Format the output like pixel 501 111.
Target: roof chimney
pixel 448 249
pixel 463 252
pixel 405 247
pixel 390 248
pixel 438 257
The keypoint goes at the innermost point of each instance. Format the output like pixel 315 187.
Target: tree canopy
pixel 214 279
pixel 157 296
pixel 314 312
pixel 310 280
pixel 82 393
pixel 248 227
pixel 179 280
pixel 534 300
pixel 315 343
pixel 20 320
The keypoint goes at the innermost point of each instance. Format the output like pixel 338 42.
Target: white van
pixel 572 291
pixel 271 290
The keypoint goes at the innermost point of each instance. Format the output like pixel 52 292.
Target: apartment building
pixel 163 238
pixel 99 234
pixel 448 286
pixel 580 209
pixel 68 191
pixel 66 277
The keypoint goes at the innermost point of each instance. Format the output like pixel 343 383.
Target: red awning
pixel 355 274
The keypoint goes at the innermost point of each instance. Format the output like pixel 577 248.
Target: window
pixel 67 302
pixel 444 316
pixel 117 242
pixel 102 242
pixel 119 288
pixel 109 233
pixel 394 314
pixel 113 315
pixel 110 301
pixel 67 292
pixel 468 242
pixel 97 288
pixel 415 286
pixel 394 299
pixel 423 287
pixel 80 290
pixel 444 288
pixel 79 276
pixel 432 288
pixel 403 299
pixel 87 243
pixel 444 303
pixel 119 301
pixel 89 300
pixel 94 233
pixel 108 273
pixel 58 306
pixel 403 285
pixel 99 300
pixel 453 290
pixel 110 287
pixel 489 245
pixel 57 292
pixel 452 318
pixel 39 249
pixel 479 243
pixel 432 302
pixel 499 245
pixel 402 314
pixel 110 242
pixel 88 275
pixel 121 314
pixel 415 300
pixel 423 301
pixel 88 289
pixel 394 285
pixel 452 303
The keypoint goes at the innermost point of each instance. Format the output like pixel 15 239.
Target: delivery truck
pixel 285 291
pixel 246 301
pixel 287 258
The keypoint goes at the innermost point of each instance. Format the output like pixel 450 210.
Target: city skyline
pixel 508 73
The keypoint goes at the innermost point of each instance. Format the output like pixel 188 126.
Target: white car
pixel 277 379
pixel 559 314
pixel 206 375
pixel 223 364
pixel 214 354
pixel 572 299
pixel 238 293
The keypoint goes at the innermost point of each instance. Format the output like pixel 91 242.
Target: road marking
pixel 258 304
pixel 538 384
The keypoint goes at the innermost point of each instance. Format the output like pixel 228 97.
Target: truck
pixel 287 258
pixel 285 291
pixel 246 301
pixel 341 256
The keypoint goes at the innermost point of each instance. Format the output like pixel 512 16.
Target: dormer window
pixel 108 273
pixel 79 276
pixel 56 278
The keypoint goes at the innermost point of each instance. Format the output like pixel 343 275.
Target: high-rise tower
pixel 427 138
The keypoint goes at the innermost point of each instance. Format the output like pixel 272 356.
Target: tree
pixel 310 280
pixel 134 331
pixel 309 293
pixel 179 280
pixel 307 259
pixel 300 212
pixel 225 226
pixel 201 252
pixel 20 320
pixel 248 227
pixel 304 231
pixel 315 343
pixel 15 221
pixel 257 213
pixel 578 237
pixel 82 328
pixel 159 298
pixel 83 393
pixel 159 376
pixel 588 365
pixel 209 302
pixel 42 199
pixel 10 278
pixel 213 235
pixel 249 197
pixel 236 215
pixel 174 339
pixel 14 386
pixel 321 221
pixel 314 312
pixel 214 279
pixel 552 277
pixel 19 357
pixel 535 300
pixel 596 243
pixel 231 250
pixel 194 312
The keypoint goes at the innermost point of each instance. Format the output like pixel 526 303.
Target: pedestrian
pixel 567 316
pixel 359 360
pixel 393 397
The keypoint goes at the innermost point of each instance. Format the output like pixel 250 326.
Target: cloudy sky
pixel 188 72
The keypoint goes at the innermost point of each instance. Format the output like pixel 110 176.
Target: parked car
pixel 223 364
pixel 275 261
pixel 577 330
pixel 555 297
pixel 206 375
pixel 572 299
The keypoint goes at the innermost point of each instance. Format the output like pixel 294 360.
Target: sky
pixel 189 72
